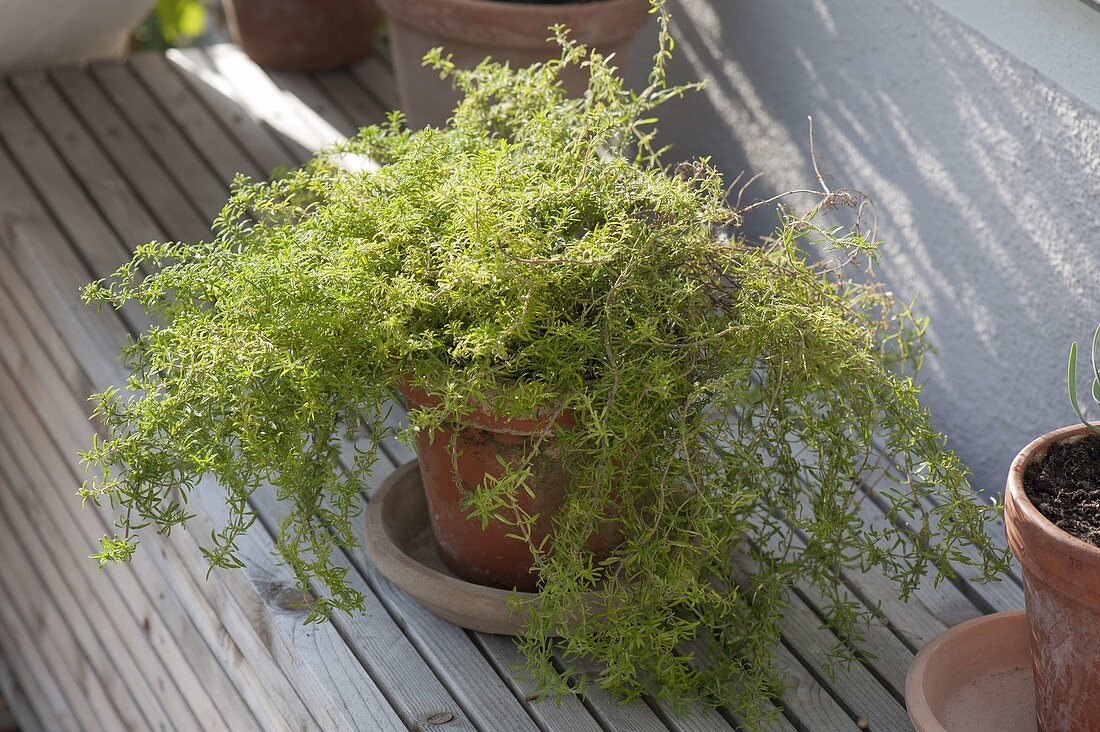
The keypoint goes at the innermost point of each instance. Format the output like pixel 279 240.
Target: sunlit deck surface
pixel 96 160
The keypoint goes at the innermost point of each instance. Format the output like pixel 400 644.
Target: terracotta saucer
pixel 399 541
pixel 975 677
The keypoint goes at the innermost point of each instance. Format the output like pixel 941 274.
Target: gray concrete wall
pixel 985 171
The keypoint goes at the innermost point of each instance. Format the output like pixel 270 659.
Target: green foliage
pixel 533 255
pixel 1071 380
pixel 172 23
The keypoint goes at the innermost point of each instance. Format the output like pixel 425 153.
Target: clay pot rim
pixel 1015 493
pixel 444 595
pixel 544 14
pixel 916 701
pixel 482 417
pixel 424 581
pixel 531 9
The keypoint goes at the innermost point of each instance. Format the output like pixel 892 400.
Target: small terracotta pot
pixel 304 35
pixel 975 677
pixel 1062 595
pixel 515 32
pixel 492 556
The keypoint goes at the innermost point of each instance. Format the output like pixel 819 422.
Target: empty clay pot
pixel 303 35
pixel 975 677
pixel 1061 577
pixel 492 555
pixel 515 32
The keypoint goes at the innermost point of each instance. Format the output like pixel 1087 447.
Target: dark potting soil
pixel 1065 487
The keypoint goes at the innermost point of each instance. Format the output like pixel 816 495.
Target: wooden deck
pixel 95 160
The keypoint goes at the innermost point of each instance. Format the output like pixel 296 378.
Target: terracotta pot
pixel 492 555
pixel 1062 595
pixel 303 34
pixel 515 32
pixel 975 677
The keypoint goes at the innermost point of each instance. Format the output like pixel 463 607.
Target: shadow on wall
pixel 983 172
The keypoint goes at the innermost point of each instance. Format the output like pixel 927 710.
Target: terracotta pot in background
pixel 507 31
pixel 303 34
pixel 1061 577
pixel 490 556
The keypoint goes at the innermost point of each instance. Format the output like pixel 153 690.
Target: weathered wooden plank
pixel 196 122
pixel 378 79
pixel 96 243
pixel 7 716
pixel 54 183
pixel 22 316
pixel 24 310
pixel 38 627
pixel 350 97
pixel 25 655
pixel 807 703
pixel 237 637
pixel 216 638
pixel 854 687
pixel 67 602
pixel 303 128
pixel 165 200
pixel 321 106
pixel 277 631
pixel 378 642
pixel 97 175
pixel 552 714
pixel 224 625
pixel 263 144
pixel 196 176
pixel 165 628
pixel 47 174
pixel 40 255
pixel 20 691
pixel 325 671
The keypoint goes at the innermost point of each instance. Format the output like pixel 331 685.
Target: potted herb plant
pixel 303 35
pixel 512 31
pixel 1052 519
pixel 679 399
